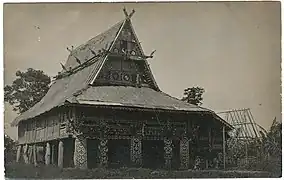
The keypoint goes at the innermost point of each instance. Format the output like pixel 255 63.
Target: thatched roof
pixel 64 88
pixel 74 86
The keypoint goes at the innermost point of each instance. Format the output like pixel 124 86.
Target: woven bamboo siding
pixel 56 127
pixel 40 129
pixel 52 127
pixel 21 132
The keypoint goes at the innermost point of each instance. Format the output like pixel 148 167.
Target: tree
pixel 267 150
pixel 193 95
pixel 27 89
pixel 273 140
pixel 9 149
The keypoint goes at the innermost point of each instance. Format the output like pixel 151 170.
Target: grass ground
pixel 29 171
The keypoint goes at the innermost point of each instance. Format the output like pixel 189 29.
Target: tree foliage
pixel 267 150
pixel 27 89
pixel 193 95
pixel 272 142
pixel 9 149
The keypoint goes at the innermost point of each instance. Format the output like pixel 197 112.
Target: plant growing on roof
pixel 193 95
pixel 27 89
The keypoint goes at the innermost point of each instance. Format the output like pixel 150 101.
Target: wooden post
pixel 224 148
pixel 209 147
pixel 34 154
pixel 26 159
pixel 30 154
pixel 209 134
pixel 52 154
pixel 19 153
pixel 60 153
pixel 246 153
pixel 206 164
pixel 80 153
pixel 47 154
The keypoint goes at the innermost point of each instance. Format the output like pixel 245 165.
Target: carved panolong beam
pixel 151 55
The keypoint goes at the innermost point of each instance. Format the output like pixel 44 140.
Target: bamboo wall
pixel 43 128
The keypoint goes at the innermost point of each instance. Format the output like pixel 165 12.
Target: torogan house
pixel 105 109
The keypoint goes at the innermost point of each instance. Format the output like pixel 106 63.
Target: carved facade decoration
pixel 113 95
pixel 136 151
pixel 103 148
pixel 168 152
pixel 197 163
pixel 80 152
pixel 103 128
pixel 184 153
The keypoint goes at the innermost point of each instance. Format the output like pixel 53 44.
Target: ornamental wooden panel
pixel 80 153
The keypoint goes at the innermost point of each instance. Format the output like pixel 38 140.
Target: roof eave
pixel 124 106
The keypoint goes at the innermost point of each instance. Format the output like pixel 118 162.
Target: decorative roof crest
pixel 128 16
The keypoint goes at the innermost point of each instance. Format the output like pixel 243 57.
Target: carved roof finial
pixel 128 16
pixel 131 14
pixel 125 12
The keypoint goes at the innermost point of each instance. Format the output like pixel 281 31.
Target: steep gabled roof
pixel 144 97
pixel 96 44
pixel 73 86
pixel 65 87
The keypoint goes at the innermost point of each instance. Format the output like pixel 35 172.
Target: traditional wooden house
pixel 106 109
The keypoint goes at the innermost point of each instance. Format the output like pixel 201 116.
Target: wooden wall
pixel 55 125
pixel 43 128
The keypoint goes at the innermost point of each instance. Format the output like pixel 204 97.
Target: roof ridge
pixel 94 46
pixel 80 67
pixel 93 75
pixel 104 32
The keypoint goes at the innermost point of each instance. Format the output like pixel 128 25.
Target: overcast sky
pixel 232 50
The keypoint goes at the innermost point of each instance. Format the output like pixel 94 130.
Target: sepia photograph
pixel 156 90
